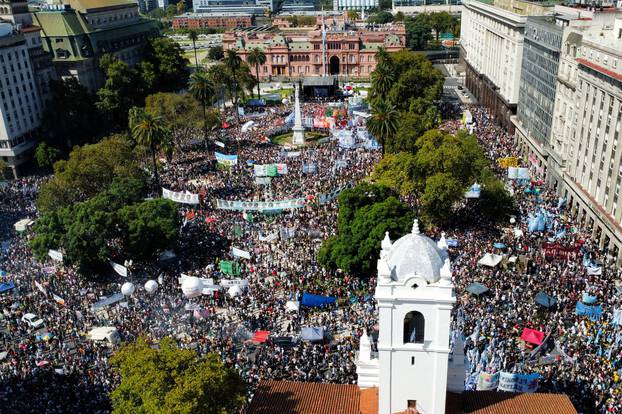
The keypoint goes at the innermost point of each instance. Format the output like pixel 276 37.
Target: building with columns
pixel 492 37
pixel 303 52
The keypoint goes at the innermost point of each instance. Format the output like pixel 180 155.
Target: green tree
pixel 382 79
pixel 399 17
pixel 366 212
pixel 4 168
pixel 170 65
pixel 167 379
pixel 442 190
pixel 385 4
pixel 440 22
pixel 193 36
pixel 149 131
pixel 411 126
pixel 397 172
pixel 202 89
pixel 257 58
pixel 149 227
pixel 73 117
pixel 46 155
pixel 215 53
pixel 88 170
pixel 418 32
pixel 233 62
pixel 383 122
pixel 381 17
pixel 181 112
pixel 353 15
pixel 171 10
pixel 120 91
pixel 181 7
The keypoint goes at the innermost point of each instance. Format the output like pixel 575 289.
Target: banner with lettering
pixel 240 253
pixel 179 197
pixel 260 205
pixel 487 381
pixel 269 170
pixel 226 159
pixel 508 382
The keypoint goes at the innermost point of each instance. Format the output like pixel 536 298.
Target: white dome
pixel 415 255
pixel 127 289
pixel 151 286
pixel 192 287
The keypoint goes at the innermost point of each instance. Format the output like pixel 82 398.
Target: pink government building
pixel 348 51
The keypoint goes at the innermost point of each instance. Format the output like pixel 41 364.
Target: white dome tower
pixel 415 297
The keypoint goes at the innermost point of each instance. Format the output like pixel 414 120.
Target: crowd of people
pixel 57 368
pixel 279 269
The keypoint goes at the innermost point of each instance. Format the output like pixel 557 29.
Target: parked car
pixel 32 321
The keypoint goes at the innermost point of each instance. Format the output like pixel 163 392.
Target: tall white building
pixel 20 105
pixel 415 297
pixel 359 5
pixel 491 40
pixel 588 128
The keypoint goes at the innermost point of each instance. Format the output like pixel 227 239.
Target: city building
pixel 79 32
pixel 344 51
pixel 252 7
pixel 538 81
pixel 21 109
pixel 588 126
pixel 409 372
pixel 145 6
pixel 491 41
pixel 358 5
pixel 212 20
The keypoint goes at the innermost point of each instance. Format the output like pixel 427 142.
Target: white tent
pixel 292 306
pixel 22 225
pixel 490 260
pixel 105 333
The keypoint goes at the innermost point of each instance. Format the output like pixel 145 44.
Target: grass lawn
pixel 311 137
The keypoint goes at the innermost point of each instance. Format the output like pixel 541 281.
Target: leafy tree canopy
pixel 215 53
pixel 366 212
pixel 46 155
pixel 167 379
pixel 171 67
pixel 89 170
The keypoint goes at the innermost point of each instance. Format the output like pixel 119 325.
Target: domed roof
pixel 415 255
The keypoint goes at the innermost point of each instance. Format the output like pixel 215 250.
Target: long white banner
pixel 55 255
pixel 260 205
pixel 179 197
pixel 240 253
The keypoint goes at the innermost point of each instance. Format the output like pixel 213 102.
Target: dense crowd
pixel 57 368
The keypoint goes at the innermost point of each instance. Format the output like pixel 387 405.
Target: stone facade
pixel 300 53
pixel 212 20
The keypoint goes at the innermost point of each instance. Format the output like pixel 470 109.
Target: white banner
pixel 206 281
pixel 292 154
pixel 220 144
pixel 179 197
pixel 507 382
pixel 107 301
pixel 233 282
pixel 41 288
pixel 269 237
pixel 240 253
pixel 121 270
pixel 55 255
pixel 260 205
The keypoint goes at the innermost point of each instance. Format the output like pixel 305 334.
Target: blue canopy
pixel 594 312
pixel 311 300
pixel 499 246
pixel 6 286
pixel 545 300
pixel 477 289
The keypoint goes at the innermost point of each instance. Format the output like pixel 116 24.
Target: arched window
pixel 414 328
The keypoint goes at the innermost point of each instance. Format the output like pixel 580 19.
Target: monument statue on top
pixel 298 129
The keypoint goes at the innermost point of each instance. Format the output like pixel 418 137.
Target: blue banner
pixel 311 300
pixel 6 286
pixel 227 159
pixel 594 312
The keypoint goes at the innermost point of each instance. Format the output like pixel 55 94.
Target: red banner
pixel 559 251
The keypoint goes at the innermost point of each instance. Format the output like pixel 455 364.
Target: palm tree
pixel 202 89
pixel 233 62
pixel 382 79
pixel 257 58
pixel 192 35
pixel 150 131
pixel 383 122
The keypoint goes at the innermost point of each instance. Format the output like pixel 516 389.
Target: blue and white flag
pixel 226 159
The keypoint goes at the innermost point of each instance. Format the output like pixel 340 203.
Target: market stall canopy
pixel 312 334
pixel 261 336
pixel 490 260
pixel 545 300
pixel 532 336
pixel 477 289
